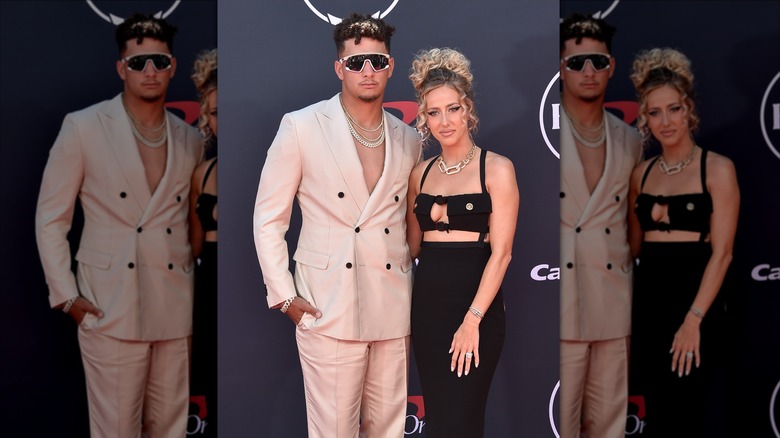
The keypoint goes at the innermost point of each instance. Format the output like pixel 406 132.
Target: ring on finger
pixel 689 355
pixel 469 355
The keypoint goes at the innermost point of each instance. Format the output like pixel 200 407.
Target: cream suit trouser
pixel 594 388
pixel 354 388
pixel 131 384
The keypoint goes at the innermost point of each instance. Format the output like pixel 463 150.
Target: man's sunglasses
pixel 160 61
pixel 599 61
pixel 355 63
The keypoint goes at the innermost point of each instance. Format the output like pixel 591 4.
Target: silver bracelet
pixel 286 304
pixel 476 312
pixel 68 304
pixel 697 312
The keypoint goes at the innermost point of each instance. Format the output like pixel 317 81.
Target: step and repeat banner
pixel 277 56
pixel 733 47
pixel 58 57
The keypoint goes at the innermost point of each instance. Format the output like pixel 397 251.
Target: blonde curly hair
pixel 660 67
pixel 438 67
pixel 204 75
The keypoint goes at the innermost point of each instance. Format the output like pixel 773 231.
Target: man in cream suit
pixel 598 153
pixel 129 163
pixel 348 163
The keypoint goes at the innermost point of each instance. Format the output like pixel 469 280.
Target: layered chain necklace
pixel 150 142
pixel 578 130
pixel 367 142
pixel 457 167
pixel 677 168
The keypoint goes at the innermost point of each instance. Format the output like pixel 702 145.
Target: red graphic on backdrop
pixel 408 109
pixel 628 108
pixel 190 109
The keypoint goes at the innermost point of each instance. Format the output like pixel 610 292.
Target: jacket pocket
pixel 93 258
pixel 310 258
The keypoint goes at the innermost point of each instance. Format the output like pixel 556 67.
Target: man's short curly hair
pixel 357 26
pixel 140 26
pixel 579 26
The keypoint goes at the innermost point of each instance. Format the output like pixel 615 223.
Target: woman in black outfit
pixel 682 227
pixel 203 239
pixel 461 223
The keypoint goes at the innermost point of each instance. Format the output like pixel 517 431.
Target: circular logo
pixel 551 409
pixel 115 12
pixel 773 407
pixel 548 114
pixel 334 17
pixel 770 116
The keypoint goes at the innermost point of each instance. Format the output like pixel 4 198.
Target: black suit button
pixel 349 265
pixel 387 231
pixel 617 198
pixel 139 229
pixel 170 266
pixel 131 265
pixel 178 198
pixel 341 194
pixel 387 266
pixel 123 195
pixel 396 198
pixel 578 229
pixel 607 231
pixel 357 230
pixel 168 230
pixel 570 265
pixel 563 195
pixel 609 265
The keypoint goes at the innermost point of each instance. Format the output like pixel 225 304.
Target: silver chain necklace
pixel 367 142
pixel 152 143
pixel 677 168
pixel 576 128
pixel 457 167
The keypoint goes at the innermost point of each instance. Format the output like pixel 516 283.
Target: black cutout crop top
pixel 206 203
pixel 466 212
pixel 687 212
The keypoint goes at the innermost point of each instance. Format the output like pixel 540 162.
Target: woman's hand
pixel 465 345
pixel 685 347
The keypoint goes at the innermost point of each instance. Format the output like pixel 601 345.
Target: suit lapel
pixel 116 126
pixel 175 137
pixel 336 132
pixel 572 172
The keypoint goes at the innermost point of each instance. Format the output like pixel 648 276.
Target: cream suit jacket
pixel 596 265
pixel 352 261
pixel 134 258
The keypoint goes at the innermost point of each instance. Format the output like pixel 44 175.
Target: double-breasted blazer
pixel 596 264
pixel 351 261
pixel 134 260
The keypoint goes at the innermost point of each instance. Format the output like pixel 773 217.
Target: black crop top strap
pixel 647 172
pixel 703 167
pixel 482 156
pixel 206 202
pixel 206 175
pixel 427 169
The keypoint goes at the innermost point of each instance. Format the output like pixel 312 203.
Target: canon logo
pixel 544 272
pixel 765 272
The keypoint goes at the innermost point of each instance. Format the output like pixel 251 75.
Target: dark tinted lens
pixel 138 63
pixel 577 62
pixel 356 62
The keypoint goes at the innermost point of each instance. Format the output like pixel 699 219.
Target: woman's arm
pixel 635 234
pixel 413 232
pixel 196 234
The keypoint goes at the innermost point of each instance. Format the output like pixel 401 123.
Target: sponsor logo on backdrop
pixel 544 272
pixel 765 272
pixel 770 115
pixel 550 116
pixel 116 12
pixel 635 420
pixel 333 11
pixel 197 421
pixel 551 408
pixel 774 406
pixel 415 421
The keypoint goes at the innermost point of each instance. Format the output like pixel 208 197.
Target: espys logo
pixel 197 420
pixel 335 10
pixel 765 272
pixel 115 12
pixel 550 116
pixel 770 116
pixel 774 407
pixel 415 422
